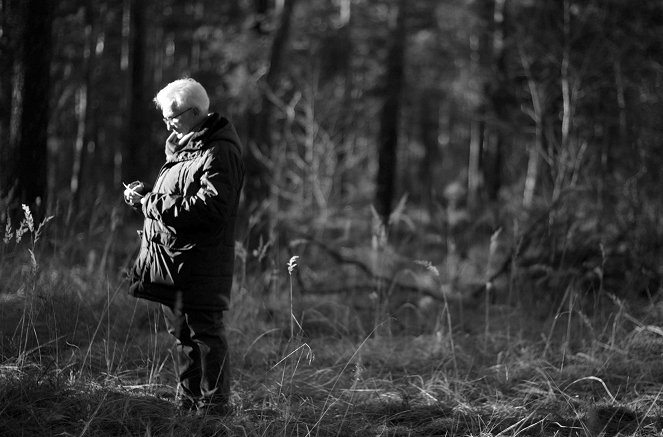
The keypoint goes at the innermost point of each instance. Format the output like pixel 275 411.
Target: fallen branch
pixel 368 287
pixel 525 241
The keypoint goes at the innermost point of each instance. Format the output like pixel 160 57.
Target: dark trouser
pixel 201 354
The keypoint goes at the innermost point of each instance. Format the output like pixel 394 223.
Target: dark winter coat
pixel 187 248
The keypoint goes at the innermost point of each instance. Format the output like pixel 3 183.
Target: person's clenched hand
pixel 133 193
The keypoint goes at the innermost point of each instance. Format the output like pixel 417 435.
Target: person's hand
pixel 133 193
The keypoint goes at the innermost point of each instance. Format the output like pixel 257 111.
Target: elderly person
pixel 187 244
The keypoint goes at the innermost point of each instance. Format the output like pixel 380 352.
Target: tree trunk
pixel 484 141
pixel 559 162
pixel 429 134
pixel 347 115
pixel 30 106
pixel 534 159
pixel 136 152
pixel 498 95
pixel 475 158
pixel 486 136
pixel 258 185
pixel 492 168
pixel 7 55
pixel 538 147
pixel 83 108
pixel 390 117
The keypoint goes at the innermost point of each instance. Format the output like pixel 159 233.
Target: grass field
pixel 320 348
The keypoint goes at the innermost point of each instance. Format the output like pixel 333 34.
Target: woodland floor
pixel 464 382
pixel 383 343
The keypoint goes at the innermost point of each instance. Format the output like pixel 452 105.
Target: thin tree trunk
pixel 605 191
pixel 120 156
pixel 481 45
pixel 621 103
pixel 8 55
pixel 136 152
pixel 536 149
pixel 429 134
pixel 390 118
pixel 79 144
pixel 474 172
pixel 496 139
pixel 30 104
pixel 484 167
pixel 560 167
pixel 83 111
pixel 312 158
pixel 272 83
pixel 259 187
pixel 275 68
pixel 532 176
pixel 347 114
pixel 566 86
pixel 493 169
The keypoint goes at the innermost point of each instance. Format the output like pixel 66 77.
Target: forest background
pixel 471 188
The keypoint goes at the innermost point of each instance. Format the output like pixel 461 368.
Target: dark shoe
pixel 214 409
pixel 186 405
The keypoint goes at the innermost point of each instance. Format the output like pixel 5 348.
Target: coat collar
pixel 177 150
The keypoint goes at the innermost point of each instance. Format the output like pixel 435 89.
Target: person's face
pixel 180 120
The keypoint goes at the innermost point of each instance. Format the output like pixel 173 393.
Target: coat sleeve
pixel 209 208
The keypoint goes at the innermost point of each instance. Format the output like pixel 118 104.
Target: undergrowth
pixel 414 351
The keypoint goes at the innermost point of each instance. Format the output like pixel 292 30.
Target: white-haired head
pixel 183 93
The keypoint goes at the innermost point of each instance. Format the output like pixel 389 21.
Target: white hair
pixel 182 93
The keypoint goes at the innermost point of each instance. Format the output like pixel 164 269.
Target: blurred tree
pixel 429 119
pixel 338 59
pixel 500 100
pixel 259 184
pixel 390 115
pixel 136 153
pixel 84 130
pixel 488 118
pixel 27 157
pixel 430 105
pixel 8 42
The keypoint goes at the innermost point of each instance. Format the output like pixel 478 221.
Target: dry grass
pixel 80 358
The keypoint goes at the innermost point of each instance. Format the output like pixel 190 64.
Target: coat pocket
pixel 169 261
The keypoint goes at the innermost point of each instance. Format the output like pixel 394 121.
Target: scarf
pixel 175 144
